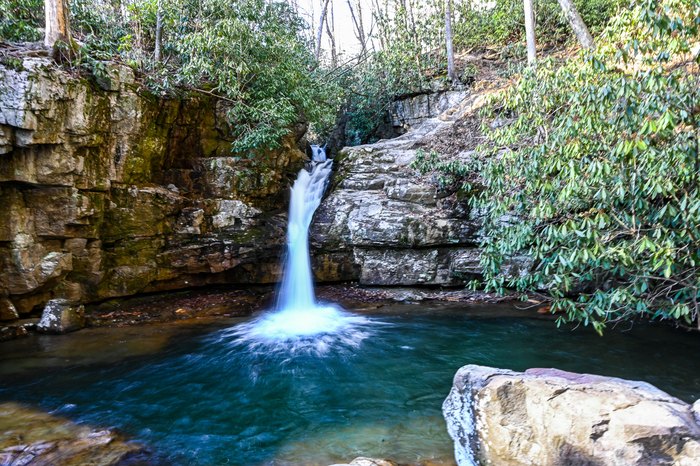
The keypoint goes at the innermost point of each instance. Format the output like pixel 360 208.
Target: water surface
pixel 199 396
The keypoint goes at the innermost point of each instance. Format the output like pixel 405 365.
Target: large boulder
pixel 548 417
pixel 61 316
pixel 7 310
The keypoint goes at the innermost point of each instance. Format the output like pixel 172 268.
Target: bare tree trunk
pixel 381 23
pixel 330 30
pixel 577 24
pixel 57 24
pixel 530 33
pixel 321 21
pixel 451 74
pixel 358 25
pixel 159 32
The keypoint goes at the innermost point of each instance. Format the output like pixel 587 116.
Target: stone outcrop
pixel 549 417
pixel 412 110
pixel 364 461
pixel 31 437
pixel 110 191
pixel 385 224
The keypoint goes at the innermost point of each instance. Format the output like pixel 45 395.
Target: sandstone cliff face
pixel 549 417
pixel 108 191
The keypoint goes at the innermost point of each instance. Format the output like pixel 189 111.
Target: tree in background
pixel 330 30
pixel 57 23
pixel 321 23
pixel 530 32
pixel 451 72
pixel 577 24
pixel 159 33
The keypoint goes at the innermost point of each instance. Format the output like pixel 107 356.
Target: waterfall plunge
pixel 299 322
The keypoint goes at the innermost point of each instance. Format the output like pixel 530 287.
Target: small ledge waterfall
pixel 299 322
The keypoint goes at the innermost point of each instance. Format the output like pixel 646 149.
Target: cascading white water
pixel 298 316
pixel 297 290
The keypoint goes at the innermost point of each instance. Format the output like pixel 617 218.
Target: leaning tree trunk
pixel 451 74
pixel 330 30
pixel 577 24
pixel 530 32
pixel 319 34
pixel 57 25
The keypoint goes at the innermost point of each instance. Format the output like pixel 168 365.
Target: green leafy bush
pixel 253 53
pixel 599 160
pixel 20 20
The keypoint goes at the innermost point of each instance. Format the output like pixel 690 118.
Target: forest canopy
pixel 262 56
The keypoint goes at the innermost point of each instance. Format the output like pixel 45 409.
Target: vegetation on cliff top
pixel 261 56
pixel 253 54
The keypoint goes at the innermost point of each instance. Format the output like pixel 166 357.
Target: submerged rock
pixel 31 437
pixel 61 316
pixel 364 461
pixel 549 417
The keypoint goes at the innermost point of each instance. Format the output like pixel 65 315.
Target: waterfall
pixel 299 323
pixel 318 153
pixel 297 290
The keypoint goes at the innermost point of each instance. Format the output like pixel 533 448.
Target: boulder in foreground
pixel 549 417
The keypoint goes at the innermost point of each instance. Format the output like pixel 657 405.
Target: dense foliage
pixel 252 52
pixel 258 54
pixel 599 161
pixel 20 20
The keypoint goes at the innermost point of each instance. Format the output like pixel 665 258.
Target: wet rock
pixel 32 437
pixel 363 461
pixel 12 332
pixel 61 316
pixel 7 310
pixel 550 417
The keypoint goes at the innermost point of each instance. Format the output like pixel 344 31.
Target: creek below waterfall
pixel 197 398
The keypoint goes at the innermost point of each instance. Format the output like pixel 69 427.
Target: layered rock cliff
pixel 110 191
pixel 385 224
